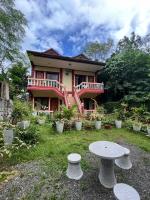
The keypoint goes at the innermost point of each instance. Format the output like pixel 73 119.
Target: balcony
pixel 46 85
pixel 89 88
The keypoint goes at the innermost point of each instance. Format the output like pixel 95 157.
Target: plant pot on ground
pixel 59 121
pixel 97 118
pixel 120 116
pixel 41 119
pixel 148 130
pixel 78 125
pixel 59 126
pixel 137 126
pixel 118 123
pixel 24 124
pixel 8 136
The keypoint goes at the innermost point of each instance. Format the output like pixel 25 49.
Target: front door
pixel 79 79
pixel 54 104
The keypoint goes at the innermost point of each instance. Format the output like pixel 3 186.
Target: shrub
pixel 29 135
pixel 21 110
pixel 68 125
pixel 111 106
pixel 88 125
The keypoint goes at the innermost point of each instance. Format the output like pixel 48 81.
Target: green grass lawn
pixel 55 147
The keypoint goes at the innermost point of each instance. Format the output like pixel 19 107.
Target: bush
pixel 111 106
pixel 21 110
pixel 29 135
pixel 88 125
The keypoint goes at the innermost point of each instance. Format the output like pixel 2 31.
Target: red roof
pixel 81 56
pixel 51 52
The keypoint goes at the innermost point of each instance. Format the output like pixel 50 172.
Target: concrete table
pixel 108 152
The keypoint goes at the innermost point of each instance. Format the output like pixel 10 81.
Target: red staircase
pixel 78 101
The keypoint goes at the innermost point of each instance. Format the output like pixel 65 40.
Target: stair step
pixel 71 100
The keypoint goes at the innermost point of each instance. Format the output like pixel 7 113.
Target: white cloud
pixel 78 20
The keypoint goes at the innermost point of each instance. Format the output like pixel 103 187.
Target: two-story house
pixel 57 79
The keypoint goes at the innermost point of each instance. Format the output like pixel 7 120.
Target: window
pixel 39 74
pixel 91 79
pixel 41 103
pixel 52 76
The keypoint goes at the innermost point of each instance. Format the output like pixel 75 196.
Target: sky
pixel 68 25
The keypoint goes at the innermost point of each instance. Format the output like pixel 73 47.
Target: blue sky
pixel 67 25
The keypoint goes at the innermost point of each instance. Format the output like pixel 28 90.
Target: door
pixel 54 104
pixel 79 79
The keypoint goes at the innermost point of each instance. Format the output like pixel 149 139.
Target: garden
pixel 34 153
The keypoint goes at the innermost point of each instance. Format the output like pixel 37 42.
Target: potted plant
pixel 8 134
pixel 148 122
pixel 41 118
pixel 78 122
pixel 21 114
pixel 118 121
pixel 97 117
pixel 137 126
pixel 59 120
pixel 148 129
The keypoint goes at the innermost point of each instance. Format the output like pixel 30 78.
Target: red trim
pixel 93 91
pixel 40 88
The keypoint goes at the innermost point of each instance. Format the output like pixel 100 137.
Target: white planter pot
pixel 41 121
pixel 136 127
pixel 78 126
pixel 98 125
pixel 24 124
pixel 59 127
pixel 148 130
pixel 118 123
pixel 8 136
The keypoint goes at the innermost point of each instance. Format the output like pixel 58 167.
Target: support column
pixel 33 103
pixel 49 104
pixel 106 174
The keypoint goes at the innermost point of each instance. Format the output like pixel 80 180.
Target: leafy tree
pixel 12 24
pixel 18 79
pixel 127 72
pixel 98 51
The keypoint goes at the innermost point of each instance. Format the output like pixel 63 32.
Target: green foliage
pixel 65 113
pixel 121 113
pixel 21 110
pixel 111 106
pixel 68 112
pixel 98 50
pixel 12 30
pixel 127 73
pixel 18 79
pixel 29 136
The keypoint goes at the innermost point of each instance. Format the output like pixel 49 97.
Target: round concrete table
pixel 108 152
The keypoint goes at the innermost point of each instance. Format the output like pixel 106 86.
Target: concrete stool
pixel 125 192
pixel 124 162
pixel 74 170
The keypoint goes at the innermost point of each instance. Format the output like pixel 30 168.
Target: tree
pixel 127 72
pixel 12 24
pixel 98 51
pixel 18 79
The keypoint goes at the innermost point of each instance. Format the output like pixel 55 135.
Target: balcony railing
pixel 89 85
pixel 45 83
pixel 49 83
